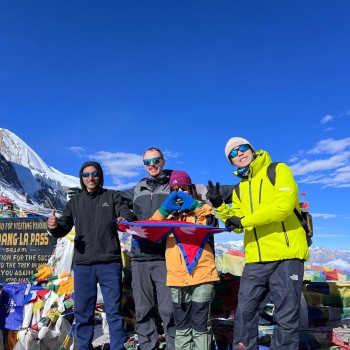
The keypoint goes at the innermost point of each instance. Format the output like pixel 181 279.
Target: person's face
pixel 243 157
pixel 91 178
pixel 154 161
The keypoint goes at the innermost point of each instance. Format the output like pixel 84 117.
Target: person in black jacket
pixel 97 253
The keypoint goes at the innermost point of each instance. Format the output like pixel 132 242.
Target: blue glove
pixel 169 205
pixel 233 222
pixel 188 202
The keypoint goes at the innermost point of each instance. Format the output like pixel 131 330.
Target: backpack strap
pixel 299 216
pixel 271 172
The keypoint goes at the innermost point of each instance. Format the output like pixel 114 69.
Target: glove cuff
pixel 195 205
pixel 164 212
pixel 217 203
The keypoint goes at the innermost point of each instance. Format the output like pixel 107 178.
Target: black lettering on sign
pixel 25 244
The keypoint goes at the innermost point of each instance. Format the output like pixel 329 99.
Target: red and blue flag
pixel 191 238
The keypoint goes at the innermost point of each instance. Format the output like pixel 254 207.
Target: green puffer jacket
pixel 272 230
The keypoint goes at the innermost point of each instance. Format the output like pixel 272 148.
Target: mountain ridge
pixel 27 180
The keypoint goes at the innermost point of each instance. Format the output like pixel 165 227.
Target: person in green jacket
pixel 275 244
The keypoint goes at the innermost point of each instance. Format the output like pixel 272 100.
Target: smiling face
pixel 91 178
pixel 243 158
pixel 156 162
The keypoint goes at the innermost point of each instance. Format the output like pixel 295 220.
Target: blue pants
pixel 86 277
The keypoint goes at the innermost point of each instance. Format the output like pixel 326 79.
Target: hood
pixel 99 169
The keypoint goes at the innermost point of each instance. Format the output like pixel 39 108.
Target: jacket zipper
pixel 285 234
pixel 252 210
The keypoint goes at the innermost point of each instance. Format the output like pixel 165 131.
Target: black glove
pixel 72 191
pixel 213 194
pixel 233 222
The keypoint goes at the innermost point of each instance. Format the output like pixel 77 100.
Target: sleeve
pixel 65 222
pixel 202 214
pixel 157 216
pixel 122 208
pixel 225 211
pixel 128 196
pixel 226 193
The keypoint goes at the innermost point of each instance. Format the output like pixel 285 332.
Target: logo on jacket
pixel 105 204
pixel 294 277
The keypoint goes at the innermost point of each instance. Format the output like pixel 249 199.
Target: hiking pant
pixel 284 280
pixel 86 277
pixel 191 313
pixel 149 290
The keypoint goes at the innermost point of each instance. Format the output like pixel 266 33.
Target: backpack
pixel 304 217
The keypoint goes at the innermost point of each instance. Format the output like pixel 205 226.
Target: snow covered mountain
pixel 27 180
pixel 319 256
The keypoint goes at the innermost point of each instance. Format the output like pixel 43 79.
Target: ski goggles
pixel 182 188
pixel 241 148
pixel 86 174
pixel 152 160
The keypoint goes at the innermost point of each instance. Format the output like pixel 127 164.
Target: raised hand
pixel 213 194
pixel 188 202
pixel 52 221
pixel 169 205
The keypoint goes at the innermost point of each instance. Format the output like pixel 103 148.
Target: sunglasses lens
pixel 87 174
pixel 183 188
pixel 241 148
pixel 233 153
pixel 152 160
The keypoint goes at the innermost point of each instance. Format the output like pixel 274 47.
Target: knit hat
pixel 179 178
pixel 234 142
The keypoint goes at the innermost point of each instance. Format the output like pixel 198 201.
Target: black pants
pixel 151 293
pixel 284 280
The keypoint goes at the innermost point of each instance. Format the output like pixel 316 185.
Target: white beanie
pixel 234 142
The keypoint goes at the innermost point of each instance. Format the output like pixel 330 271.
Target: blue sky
pixel 106 80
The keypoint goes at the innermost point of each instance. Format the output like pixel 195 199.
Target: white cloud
pixel 306 166
pixel 170 154
pixel 79 151
pixel 332 170
pixel 324 216
pixel 330 146
pixel 326 119
pixel 120 164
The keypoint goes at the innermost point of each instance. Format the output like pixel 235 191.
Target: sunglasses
pixel 152 160
pixel 241 148
pixel 183 188
pixel 93 174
